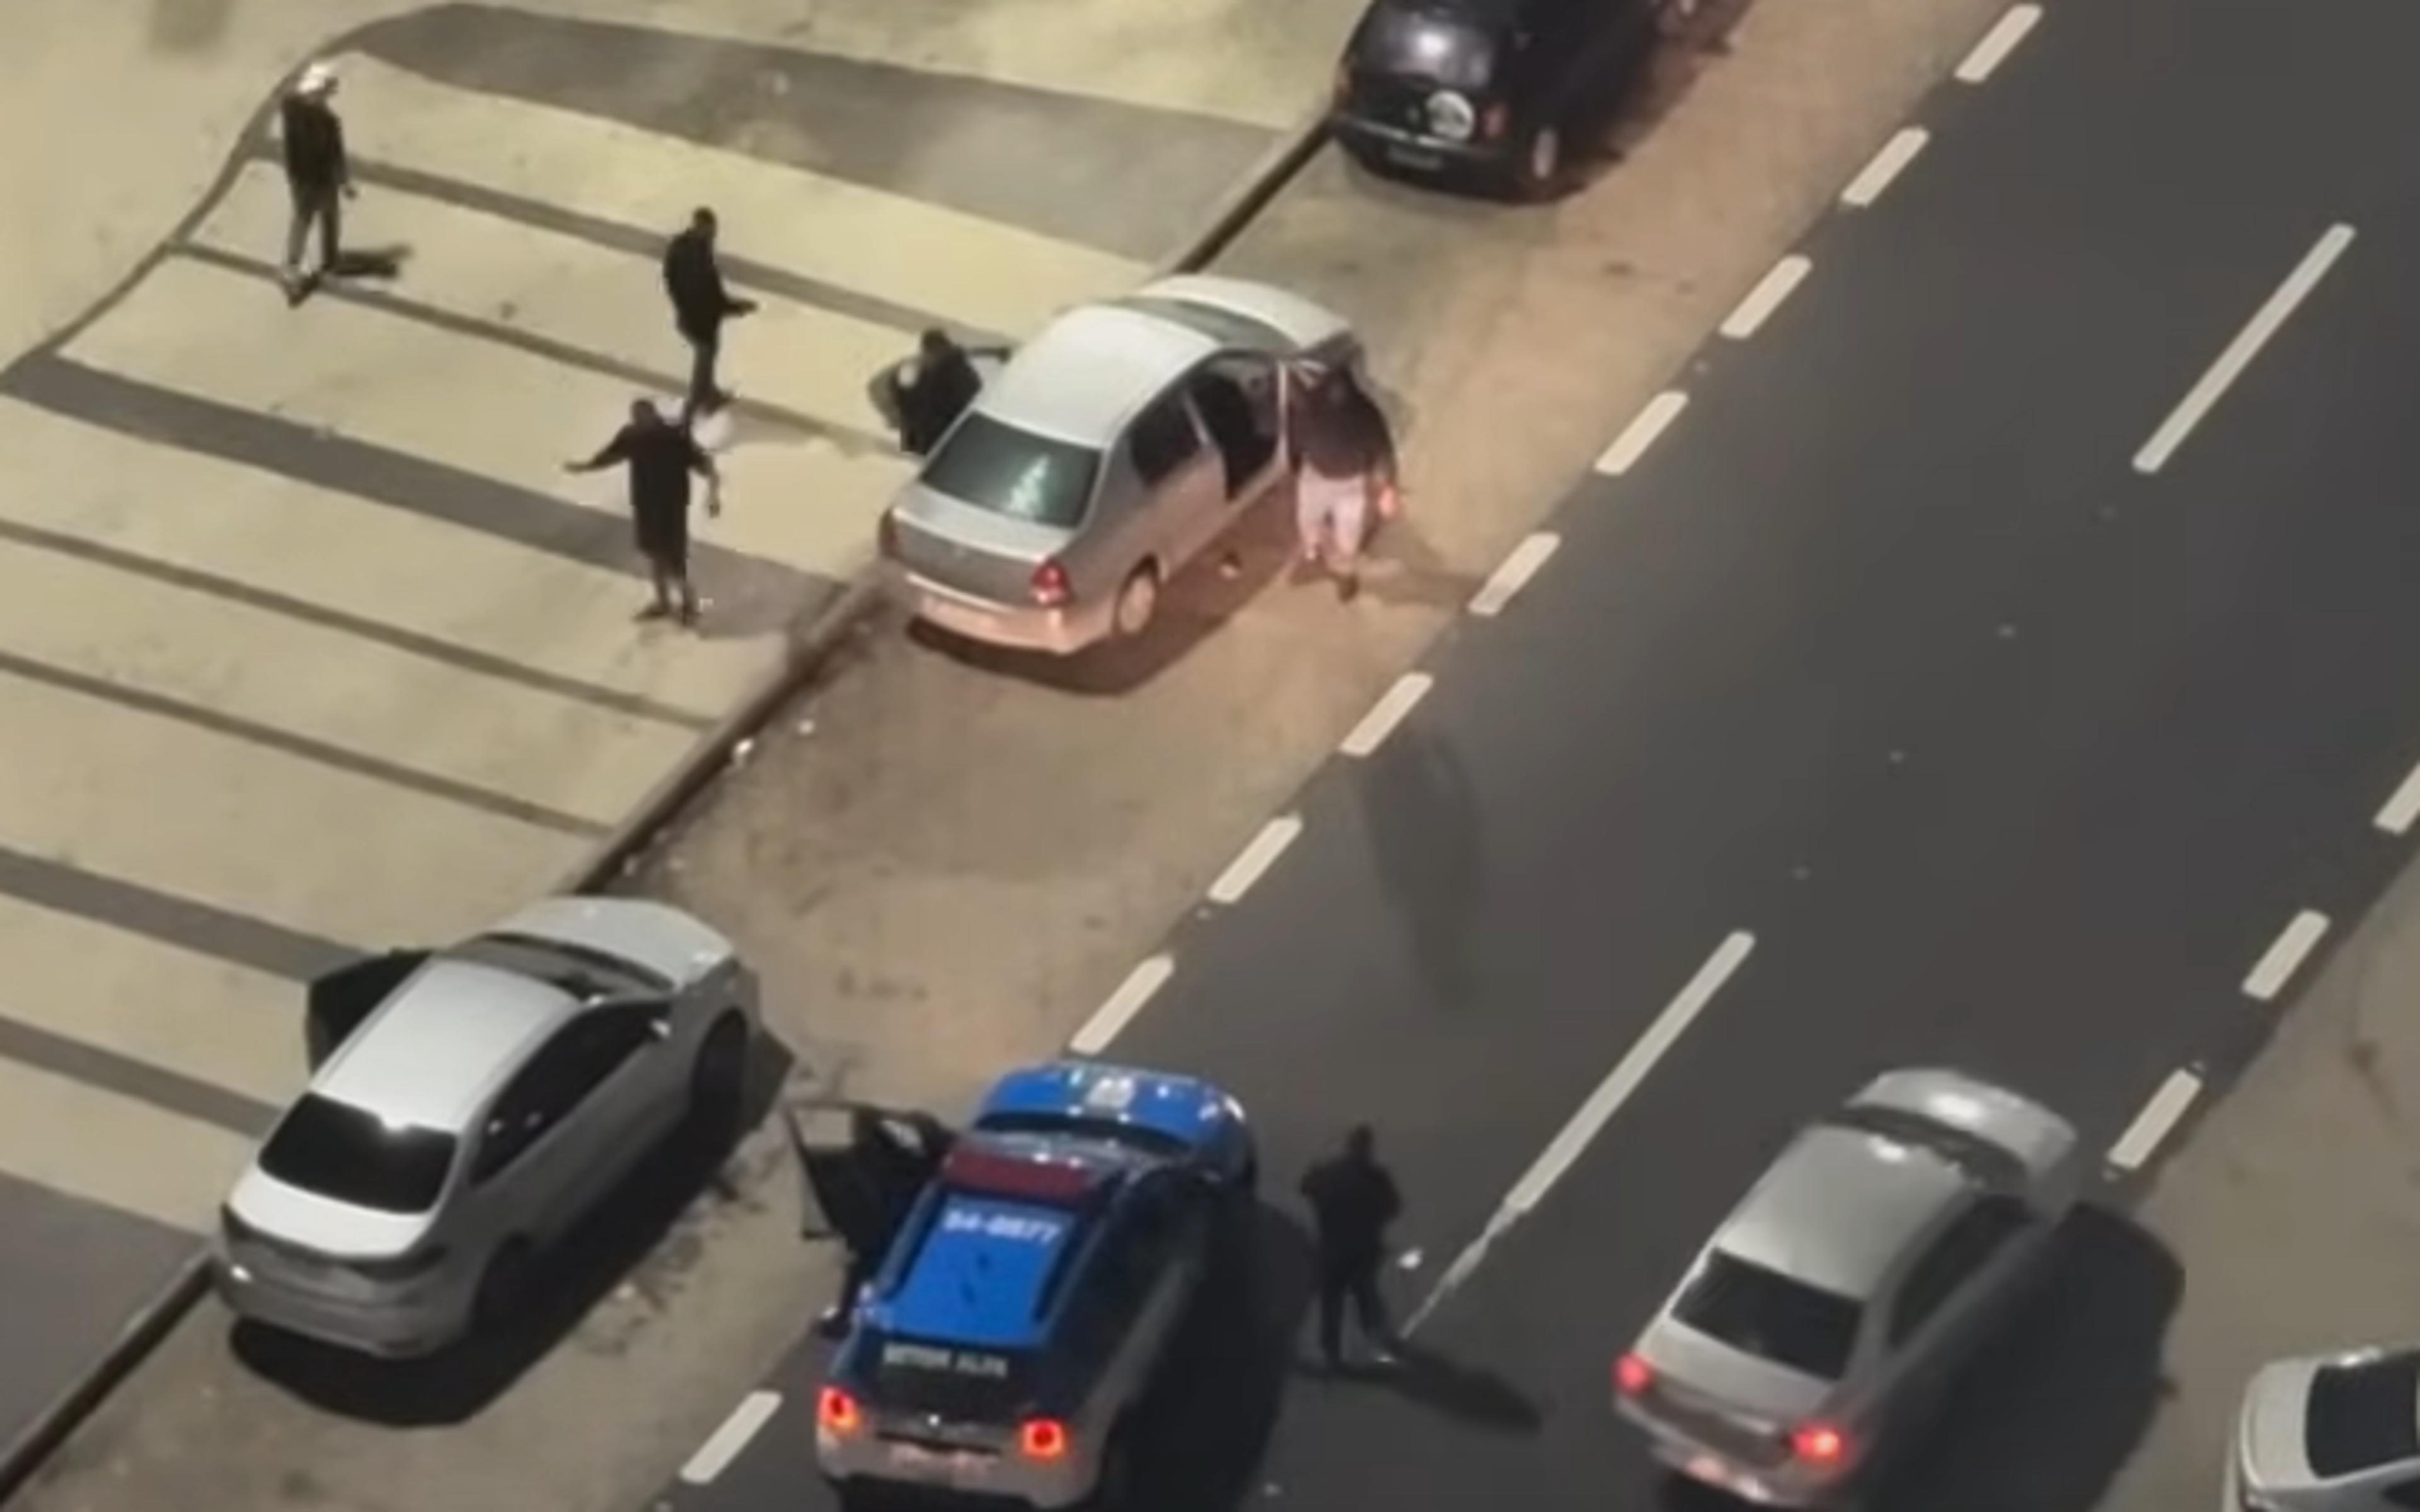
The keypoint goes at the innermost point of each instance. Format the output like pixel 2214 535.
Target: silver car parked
pixel 1831 1307
pixel 1108 451
pixel 470 1105
pixel 2329 1433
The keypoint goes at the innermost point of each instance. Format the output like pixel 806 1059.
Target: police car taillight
pixel 1042 1437
pixel 1819 1443
pixel 836 1411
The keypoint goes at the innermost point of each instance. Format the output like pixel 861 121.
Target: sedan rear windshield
pixel 1419 44
pixel 1010 471
pixel 1771 1316
pixel 2364 1415
pixel 337 1150
pixel 922 1377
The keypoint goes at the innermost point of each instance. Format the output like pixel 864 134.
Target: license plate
pixel 1712 1472
pixel 1415 158
pixel 964 621
pixel 933 1466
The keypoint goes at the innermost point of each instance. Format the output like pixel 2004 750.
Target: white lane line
pixel 1632 444
pixel 715 1456
pixel 1255 859
pixel 1110 1018
pixel 1387 712
pixel 1766 296
pixel 1516 573
pixel 1999 44
pixel 1616 1089
pixel 2157 1120
pixel 2401 808
pixel 2285 955
pixel 1876 175
pixel 2246 347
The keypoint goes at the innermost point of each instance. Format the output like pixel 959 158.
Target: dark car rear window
pixel 333 1150
pixel 1399 42
pixel 959 1385
pixel 2364 1415
pixel 1010 471
pixel 1769 1315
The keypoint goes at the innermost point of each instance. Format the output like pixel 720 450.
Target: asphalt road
pixel 2005 754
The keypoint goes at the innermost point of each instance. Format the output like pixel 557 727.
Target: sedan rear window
pixel 1771 1316
pixel 337 1150
pixel 2364 1415
pixel 997 467
pixel 1403 43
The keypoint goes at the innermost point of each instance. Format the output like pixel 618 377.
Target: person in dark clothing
pixel 700 305
pixel 316 173
pixel 661 456
pixel 1352 1200
pixel 929 403
pixel 891 1173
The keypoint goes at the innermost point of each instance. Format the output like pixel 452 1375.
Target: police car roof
pixel 1182 1109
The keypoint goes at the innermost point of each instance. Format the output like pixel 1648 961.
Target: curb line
pixel 25 1455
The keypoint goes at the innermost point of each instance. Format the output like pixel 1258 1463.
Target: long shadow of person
pixel 1423 815
pixel 1466 1392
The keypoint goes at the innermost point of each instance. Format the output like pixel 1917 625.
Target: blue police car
pixel 1028 1301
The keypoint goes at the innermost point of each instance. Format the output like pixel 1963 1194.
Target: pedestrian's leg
pixel 709 354
pixel 297 227
pixel 662 581
pixel 687 593
pixel 1370 1311
pixel 1331 1317
pixel 332 231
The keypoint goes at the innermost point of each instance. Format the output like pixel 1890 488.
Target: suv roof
pixel 431 1056
pixel 1840 1207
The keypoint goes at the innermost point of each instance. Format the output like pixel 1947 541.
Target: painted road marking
pixel 1516 573
pixel 2159 1117
pixel 1387 712
pixel 715 1456
pixel 2246 347
pixel 1766 296
pixel 2285 955
pixel 1110 1019
pixel 1876 175
pixel 2403 807
pixel 1255 859
pixel 1610 1094
pixel 1633 443
pixel 1999 44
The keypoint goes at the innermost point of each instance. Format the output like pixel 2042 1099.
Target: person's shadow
pixel 1465 1393
pixel 1423 816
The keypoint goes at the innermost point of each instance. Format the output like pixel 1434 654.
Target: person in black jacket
pixel 928 403
pixel 700 305
pixel 661 456
pixel 317 174
pixel 1353 1201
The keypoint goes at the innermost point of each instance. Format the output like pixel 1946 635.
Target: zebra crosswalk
pixel 308 645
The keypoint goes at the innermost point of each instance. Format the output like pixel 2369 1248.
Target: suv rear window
pixel 919 1377
pixel 2364 1415
pixel 337 1150
pixel 1769 1315
pixel 1007 471
pixel 1400 42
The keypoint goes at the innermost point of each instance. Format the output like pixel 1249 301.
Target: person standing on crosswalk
pixel 318 172
pixel 661 456
pixel 700 305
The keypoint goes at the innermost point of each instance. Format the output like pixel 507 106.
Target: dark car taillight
pixel 1494 120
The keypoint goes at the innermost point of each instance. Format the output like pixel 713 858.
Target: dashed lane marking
pixel 1876 175
pixel 745 1421
pixel 1255 859
pixel 1387 712
pixel 1111 1018
pixel 2285 955
pixel 1999 44
pixel 1514 574
pixel 2158 1118
pixel 1633 443
pixel 1774 287
pixel 2402 806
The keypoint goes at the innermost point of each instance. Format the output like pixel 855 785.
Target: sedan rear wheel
pixel 1138 602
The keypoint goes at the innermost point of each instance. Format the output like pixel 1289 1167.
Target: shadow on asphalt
pixel 1469 1393
pixel 628 1231
pixel 2043 1418
pixel 1229 573
pixel 1657 84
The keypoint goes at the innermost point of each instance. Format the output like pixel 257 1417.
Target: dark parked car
pixel 1484 88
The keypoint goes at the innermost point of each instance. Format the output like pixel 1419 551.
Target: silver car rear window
pixel 2362 1416
pixel 1007 471
pixel 337 1150
pixel 1771 1316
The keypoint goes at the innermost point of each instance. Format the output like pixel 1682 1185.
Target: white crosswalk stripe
pixel 212 494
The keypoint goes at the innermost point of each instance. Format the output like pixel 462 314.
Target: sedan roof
pixel 429 1057
pixel 1090 370
pixel 1839 1208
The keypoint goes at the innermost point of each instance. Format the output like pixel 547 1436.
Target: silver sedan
pixel 1830 1308
pixel 2329 1433
pixel 1112 450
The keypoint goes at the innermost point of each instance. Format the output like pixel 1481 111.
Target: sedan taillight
pixel 1050 586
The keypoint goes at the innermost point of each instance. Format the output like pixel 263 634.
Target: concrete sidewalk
pixel 2294 1205
pixel 308 644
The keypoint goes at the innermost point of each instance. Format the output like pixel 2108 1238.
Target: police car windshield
pixel 1132 1136
pixel 926 1379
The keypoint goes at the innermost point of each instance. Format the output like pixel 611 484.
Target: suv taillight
pixel 1493 120
pixel 1049 584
